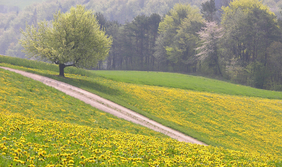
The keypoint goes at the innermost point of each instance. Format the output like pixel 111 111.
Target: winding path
pixel 108 106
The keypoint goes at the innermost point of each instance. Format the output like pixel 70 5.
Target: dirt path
pixel 108 106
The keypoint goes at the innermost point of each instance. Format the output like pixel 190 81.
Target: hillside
pixel 35 100
pixel 19 3
pixel 113 10
pixel 43 127
pixel 241 123
pixel 34 142
pixel 188 82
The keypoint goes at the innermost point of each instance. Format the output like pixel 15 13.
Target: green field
pixel 20 3
pixel 40 126
pixel 170 80
pixel 26 141
pixel 33 99
pixel 188 82
pixel 242 123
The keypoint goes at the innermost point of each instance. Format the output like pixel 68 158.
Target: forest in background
pixel 241 42
pixel 12 19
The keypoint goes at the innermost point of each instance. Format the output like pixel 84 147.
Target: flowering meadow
pixel 240 123
pixel 35 142
pixel 246 130
pixel 187 82
pixel 19 94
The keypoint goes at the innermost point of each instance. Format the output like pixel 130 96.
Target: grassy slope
pixel 188 82
pixel 170 80
pixel 20 3
pixel 202 115
pixel 34 99
pixel 34 142
pixel 42 126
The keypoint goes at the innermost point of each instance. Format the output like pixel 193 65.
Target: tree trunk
pixel 217 62
pixel 62 67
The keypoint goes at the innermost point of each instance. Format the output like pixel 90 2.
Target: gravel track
pixel 108 106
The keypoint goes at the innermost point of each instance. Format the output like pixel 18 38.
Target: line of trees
pixel 122 11
pixel 133 43
pixel 241 43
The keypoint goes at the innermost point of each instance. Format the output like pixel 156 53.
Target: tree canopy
pixel 246 6
pixel 250 29
pixel 178 35
pixel 71 39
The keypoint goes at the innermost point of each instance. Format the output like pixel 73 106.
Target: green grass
pixel 42 126
pixel 19 3
pixel 205 116
pixel 26 141
pixel 171 80
pixel 188 82
pixel 42 65
pixel 33 99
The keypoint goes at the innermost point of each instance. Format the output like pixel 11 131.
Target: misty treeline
pixel 241 43
pixel 238 41
pixel 121 11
